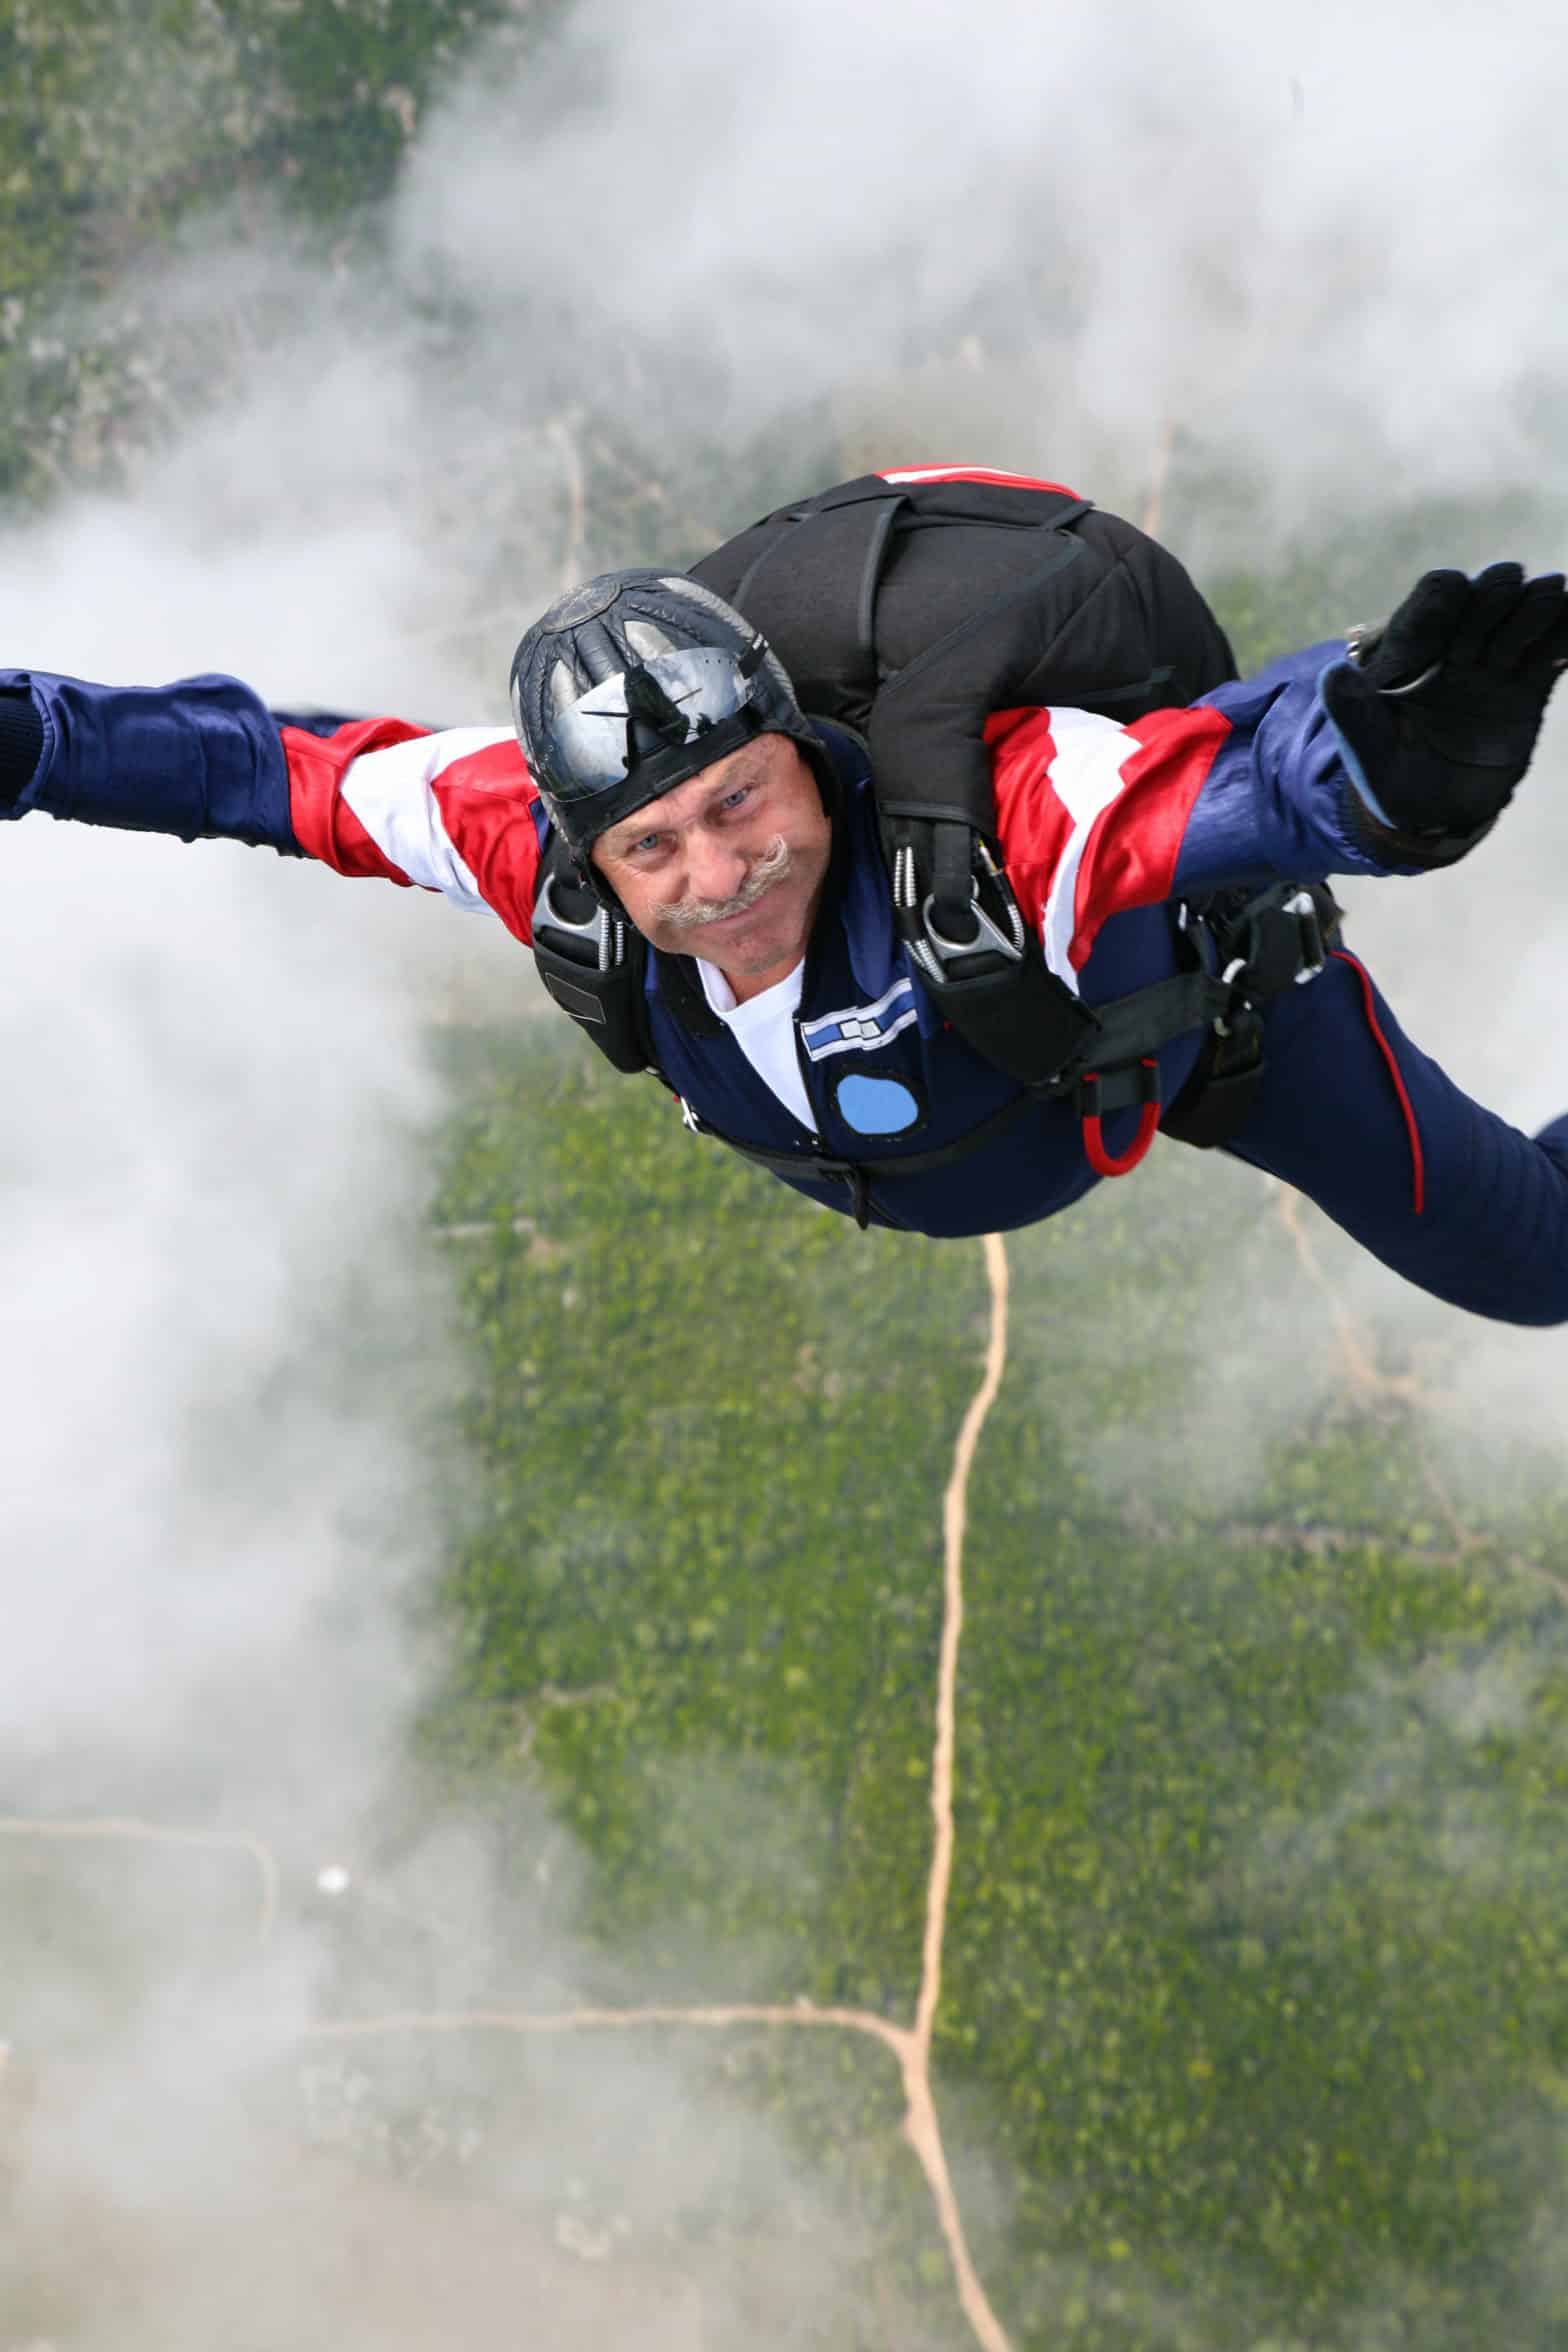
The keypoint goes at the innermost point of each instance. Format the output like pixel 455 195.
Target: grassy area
pixel 1258 1982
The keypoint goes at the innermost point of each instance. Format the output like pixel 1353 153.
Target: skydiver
pixel 943 997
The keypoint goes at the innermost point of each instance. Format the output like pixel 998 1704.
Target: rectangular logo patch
pixel 860 1028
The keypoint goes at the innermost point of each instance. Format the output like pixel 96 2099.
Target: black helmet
pixel 634 682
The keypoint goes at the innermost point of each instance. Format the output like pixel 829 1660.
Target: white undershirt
pixel 764 1029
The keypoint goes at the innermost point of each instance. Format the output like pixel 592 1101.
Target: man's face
pixel 729 866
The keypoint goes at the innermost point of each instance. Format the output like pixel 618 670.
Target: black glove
pixel 1443 706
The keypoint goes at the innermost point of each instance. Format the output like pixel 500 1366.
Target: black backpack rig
pixel 907 612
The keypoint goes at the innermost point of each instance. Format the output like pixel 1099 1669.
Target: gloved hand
pixel 1443 706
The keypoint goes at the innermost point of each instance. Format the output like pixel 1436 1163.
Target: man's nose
pixel 714 868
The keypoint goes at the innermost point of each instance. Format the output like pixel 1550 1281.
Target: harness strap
pixel 822 603
pixel 1137 1026
pixel 986 975
pixel 1091 1107
pixel 1244 948
pixel 1127 1032
pixel 1131 1026
pixel 586 960
pixel 859 1175
pixel 1265 943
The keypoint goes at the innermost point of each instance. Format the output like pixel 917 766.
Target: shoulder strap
pixel 807 576
pixel 812 577
pixel 591 961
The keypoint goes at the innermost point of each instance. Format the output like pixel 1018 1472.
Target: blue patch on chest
pixel 883 1107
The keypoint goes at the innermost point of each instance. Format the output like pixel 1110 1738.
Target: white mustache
pixel 688 914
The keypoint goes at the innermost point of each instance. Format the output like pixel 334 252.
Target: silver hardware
pixel 607 932
pixel 986 935
pixel 904 877
pixel 927 962
pixel 1304 907
pixel 934 948
pixel 1236 965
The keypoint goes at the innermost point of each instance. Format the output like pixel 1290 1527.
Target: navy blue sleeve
pixel 201 759
pixel 1279 802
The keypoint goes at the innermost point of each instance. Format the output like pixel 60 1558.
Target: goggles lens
pixel 665 704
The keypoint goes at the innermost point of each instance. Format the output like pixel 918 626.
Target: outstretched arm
pixel 204 759
pixel 1310 769
pixel 200 759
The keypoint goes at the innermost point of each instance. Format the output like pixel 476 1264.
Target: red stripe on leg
pixel 1418 1164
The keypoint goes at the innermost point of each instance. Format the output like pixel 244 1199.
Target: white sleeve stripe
pixel 1086 775
pixel 390 793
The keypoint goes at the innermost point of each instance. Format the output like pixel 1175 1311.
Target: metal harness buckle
pixel 1247 975
pixel 933 949
pixel 604 934
pixel 1314 947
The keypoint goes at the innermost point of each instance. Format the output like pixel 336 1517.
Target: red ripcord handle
pixel 1094 1150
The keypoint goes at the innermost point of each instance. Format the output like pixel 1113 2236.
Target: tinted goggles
pixel 661 707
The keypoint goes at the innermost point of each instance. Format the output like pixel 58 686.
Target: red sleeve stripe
pixel 324 826
pixel 1129 858
pixel 1369 1006
pixel 1091 814
pixel 489 807
pixel 455 812
pixel 962 473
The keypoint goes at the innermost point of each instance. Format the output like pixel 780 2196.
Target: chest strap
pixel 860 1175
pixel 1248 947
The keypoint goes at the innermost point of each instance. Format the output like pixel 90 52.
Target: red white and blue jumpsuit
pixel 1105 828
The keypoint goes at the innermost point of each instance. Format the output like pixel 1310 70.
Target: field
pixel 1253 1975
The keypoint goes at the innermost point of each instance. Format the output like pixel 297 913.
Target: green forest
pixel 1253 2032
